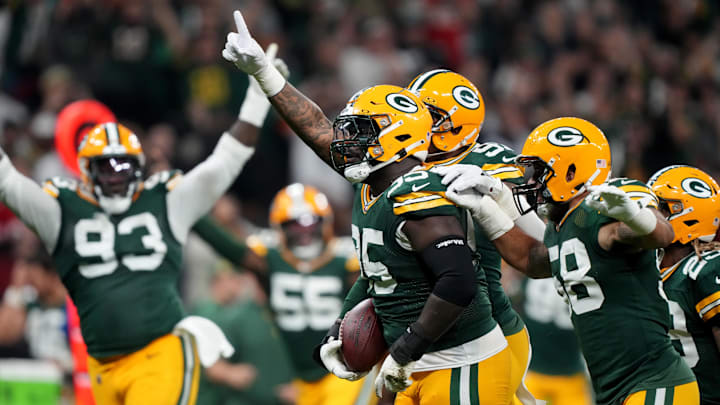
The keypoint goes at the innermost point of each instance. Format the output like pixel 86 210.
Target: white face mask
pixel 308 252
pixel 116 204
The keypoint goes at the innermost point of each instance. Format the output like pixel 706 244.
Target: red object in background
pixel 81 379
pixel 73 122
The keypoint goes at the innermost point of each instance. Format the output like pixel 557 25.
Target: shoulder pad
pixel 168 178
pixel 417 190
pixel 497 160
pixel 54 186
pixel 636 190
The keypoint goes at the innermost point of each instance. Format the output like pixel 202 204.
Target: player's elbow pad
pixel 449 259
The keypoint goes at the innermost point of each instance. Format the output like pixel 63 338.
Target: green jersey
pixel 498 161
pixel 555 349
pixel 120 270
pixel 306 298
pixel 693 289
pixel 618 309
pixel 397 282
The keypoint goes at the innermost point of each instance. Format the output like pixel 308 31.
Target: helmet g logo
pixel 565 136
pixel 466 97
pixel 696 187
pixel 401 102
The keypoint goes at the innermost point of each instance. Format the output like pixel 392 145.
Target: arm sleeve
pixel 198 191
pixel 220 240
pixel 34 206
pixel 707 293
pixel 357 293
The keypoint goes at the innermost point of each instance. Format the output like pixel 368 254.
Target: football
pixel 363 344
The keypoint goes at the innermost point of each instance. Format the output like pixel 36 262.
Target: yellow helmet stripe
pixel 112 134
pixel 423 78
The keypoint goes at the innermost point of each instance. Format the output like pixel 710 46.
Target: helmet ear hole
pixel 403 138
pixel 570 175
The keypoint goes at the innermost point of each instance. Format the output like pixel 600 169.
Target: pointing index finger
pixel 240 23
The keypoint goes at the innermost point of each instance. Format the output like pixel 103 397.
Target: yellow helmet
pixel 303 217
pixel 379 125
pixel 456 106
pixel 111 161
pixel 556 149
pixel 689 197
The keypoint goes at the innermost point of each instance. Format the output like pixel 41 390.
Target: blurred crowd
pixel 647 72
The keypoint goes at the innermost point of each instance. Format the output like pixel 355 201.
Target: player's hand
pixel 333 361
pixel 461 177
pixel 255 107
pixel 393 376
pixel 243 50
pixel 612 202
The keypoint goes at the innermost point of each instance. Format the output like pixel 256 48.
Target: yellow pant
pixel 331 390
pixel 686 394
pixel 520 347
pixel 484 383
pixel 560 390
pixel 165 372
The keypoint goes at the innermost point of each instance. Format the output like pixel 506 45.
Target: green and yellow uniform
pixel 617 308
pixel 393 275
pixel 693 290
pixel 557 371
pixel 498 161
pixel 306 299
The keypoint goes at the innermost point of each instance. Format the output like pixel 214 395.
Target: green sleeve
pixel 220 240
pixel 357 293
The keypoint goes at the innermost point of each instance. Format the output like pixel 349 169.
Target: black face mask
pixel 534 189
pixel 115 174
pixel 352 137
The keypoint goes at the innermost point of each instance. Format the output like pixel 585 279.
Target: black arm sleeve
pixel 449 259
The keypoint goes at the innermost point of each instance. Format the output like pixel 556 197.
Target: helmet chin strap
pixel 116 204
pixel 358 172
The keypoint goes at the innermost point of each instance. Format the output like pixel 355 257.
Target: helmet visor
pixel 353 136
pixel 114 174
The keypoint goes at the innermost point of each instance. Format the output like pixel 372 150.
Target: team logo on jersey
pixel 401 102
pixel 696 187
pixel 466 97
pixel 565 136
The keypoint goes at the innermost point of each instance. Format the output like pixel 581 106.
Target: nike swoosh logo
pixel 625 181
pixel 506 160
pixel 717 280
pixel 416 187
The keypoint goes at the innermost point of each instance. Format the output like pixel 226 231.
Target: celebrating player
pixel 411 242
pixel 116 242
pixel 600 248
pixel 458 112
pixel 690 270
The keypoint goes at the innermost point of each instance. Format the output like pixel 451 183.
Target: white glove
pixel 255 106
pixel 242 50
pixel 332 359
pixel 484 210
pixel 463 177
pixel 615 203
pixel 393 376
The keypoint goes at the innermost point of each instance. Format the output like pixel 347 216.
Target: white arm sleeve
pixel 36 208
pixel 532 225
pixel 198 190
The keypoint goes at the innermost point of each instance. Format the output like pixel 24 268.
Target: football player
pixel 116 242
pixel 690 270
pixel 411 242
pixel 458 113
pixel 599 245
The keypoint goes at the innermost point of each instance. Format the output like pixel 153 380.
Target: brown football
pixel 363 344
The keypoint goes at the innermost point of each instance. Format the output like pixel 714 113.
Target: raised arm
pixel 194 195
pixel 34 206
pixel 303 115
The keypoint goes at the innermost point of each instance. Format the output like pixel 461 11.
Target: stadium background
pixel 646 72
